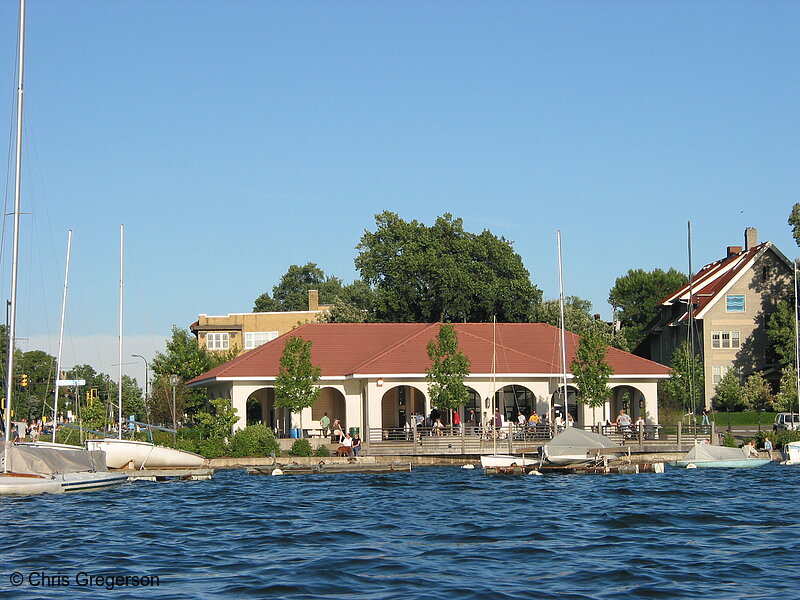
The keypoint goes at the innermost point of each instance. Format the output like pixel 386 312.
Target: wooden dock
pixel 323 468
pixel 600 469
pixel 176 474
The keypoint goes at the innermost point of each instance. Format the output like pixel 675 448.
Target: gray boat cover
pixel 48 461
pixel 574 441
pixel 706 452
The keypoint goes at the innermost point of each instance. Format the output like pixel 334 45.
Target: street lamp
pixel 146 372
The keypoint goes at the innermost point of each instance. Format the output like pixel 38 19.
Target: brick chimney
pixel 313 300
pixel 734 250
pixel 750 238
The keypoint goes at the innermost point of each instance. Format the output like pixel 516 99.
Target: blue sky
pixel 235 138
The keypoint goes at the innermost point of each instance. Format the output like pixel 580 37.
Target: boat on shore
pixel 136 454
pixel 704 456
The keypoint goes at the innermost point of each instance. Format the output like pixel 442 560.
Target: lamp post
pixel 174 380
pixel 146 379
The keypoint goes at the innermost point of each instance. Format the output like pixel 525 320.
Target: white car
pixel 786 422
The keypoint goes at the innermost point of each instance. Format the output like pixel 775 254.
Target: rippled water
pixel 438 532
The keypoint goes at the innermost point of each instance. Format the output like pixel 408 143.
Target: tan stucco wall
pixel 761 297
pixel 282 322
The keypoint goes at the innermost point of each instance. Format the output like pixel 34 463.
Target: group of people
pixel 351 443
pixel 23 429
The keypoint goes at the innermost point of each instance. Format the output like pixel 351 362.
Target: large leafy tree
pixel 591 371
pixel 685 385
pixel 296 384
pixel 353 304
pixel 786 398
pixel 636 296
pixel 781 333
pixel 578 318
pixel 443 273
pixel 291 293
pixel 449 367
pixel 794 221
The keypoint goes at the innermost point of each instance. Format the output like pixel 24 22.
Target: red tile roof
pixel 373 349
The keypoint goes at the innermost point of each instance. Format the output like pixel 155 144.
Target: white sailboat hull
pixel 500 460
pixel 143 455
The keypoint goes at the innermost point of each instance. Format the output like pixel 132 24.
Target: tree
pixel 443 273
pixel 786 398
pixel 590 371
pixel 636 297
pixel 794 221
pixel 578 318
pixel 686 374
pixel 756 393
pixel 353 304
pixel 295 385
pixel 183 357
pixel 449 367
pixel 291 293
pixel 729 393
pixel 781 333
pixel 219 421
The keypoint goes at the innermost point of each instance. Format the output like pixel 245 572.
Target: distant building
pixel 373 375
pixel 732 300
pixel 250 330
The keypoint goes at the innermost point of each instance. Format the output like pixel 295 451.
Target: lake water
pixel 438 532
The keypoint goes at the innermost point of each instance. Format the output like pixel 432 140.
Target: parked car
pixel 786 422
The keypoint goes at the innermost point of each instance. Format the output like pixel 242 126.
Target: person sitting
pixel 347 445
pixel 356 444
pixel 438 427
pixel 749 449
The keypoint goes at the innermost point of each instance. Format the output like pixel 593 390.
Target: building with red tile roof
pixel 731 300
pixel 373 374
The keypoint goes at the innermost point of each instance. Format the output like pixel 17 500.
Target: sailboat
pixel 136 454
pixel 495 460
pixel 35 470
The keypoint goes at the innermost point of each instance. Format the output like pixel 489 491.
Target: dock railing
pixel 467 439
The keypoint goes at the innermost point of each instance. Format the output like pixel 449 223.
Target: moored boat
pixel 704 456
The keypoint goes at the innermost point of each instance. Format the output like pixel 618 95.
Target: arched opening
pixel 261 409
pixel 558 400
pixel 331 402
pixel 513 400
pixel 399 405
pixel 629 399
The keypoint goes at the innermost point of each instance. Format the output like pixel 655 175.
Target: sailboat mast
pixel 690 305
pixel 796 339
pixel 12 323
pixel 119 345
pixel 61 334
pixel 494 384
pixel 563 327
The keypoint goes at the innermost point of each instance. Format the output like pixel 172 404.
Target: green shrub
pixel 253 440
pixel 322 450
pixel 301 447
pixel 211 448
pixel 729 441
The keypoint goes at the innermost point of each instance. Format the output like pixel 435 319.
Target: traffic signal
pixel 24 381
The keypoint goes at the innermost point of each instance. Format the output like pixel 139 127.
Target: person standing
pixel 324 423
